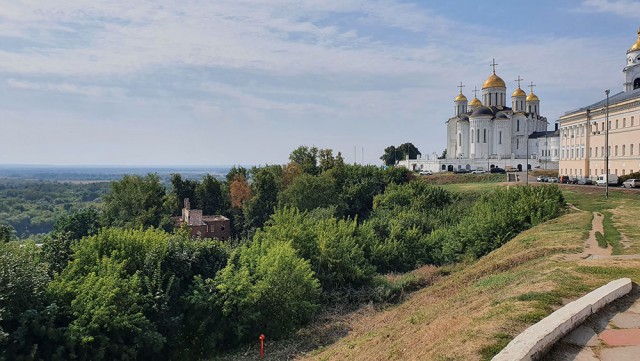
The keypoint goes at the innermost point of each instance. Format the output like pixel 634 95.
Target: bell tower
pixel 632 70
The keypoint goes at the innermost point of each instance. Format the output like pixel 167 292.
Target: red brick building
pixel 204 226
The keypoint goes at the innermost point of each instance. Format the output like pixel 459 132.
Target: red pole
pixel 262 338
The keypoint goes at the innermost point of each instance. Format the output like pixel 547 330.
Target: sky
pixel 158 82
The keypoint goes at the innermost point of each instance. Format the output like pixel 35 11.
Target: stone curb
pixel 533 342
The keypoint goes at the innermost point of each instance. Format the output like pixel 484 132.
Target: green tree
pixel 393 154
pixel 266 289
pixel 390 156
pixel 267 182
pixel 77 224
pixel 124 292
pixel 136 201
pixel 7 233
pixel 183 188
pixel 237 170
pixel 326 159
pixel 23 302
pixel 209 196
pixel 332 246
pixel 307 158
pixel 308 192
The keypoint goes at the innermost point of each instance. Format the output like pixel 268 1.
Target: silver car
pixel 631 183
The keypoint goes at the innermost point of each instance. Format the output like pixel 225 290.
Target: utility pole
pixel 606 149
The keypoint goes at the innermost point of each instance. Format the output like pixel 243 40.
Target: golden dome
pixel 635 46
pixel 532 98
pixel 475 102
pixel 460 97
pixel 519 93
pixel 494 81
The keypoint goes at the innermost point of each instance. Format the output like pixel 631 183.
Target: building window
pixel 624 122
pixel 460 139
pixel 518 125
pixel 602 151
pixel 616 123
pixel 631 149
pixel 471 135
pixel 555 152
pixel 590 152
pixel 616 153
pixel 624 150
pixel 596 152
pixel 500 137
pixel 484 136
pixel 632 121
pixel 478 135
pixel 603 126
pixel 517 143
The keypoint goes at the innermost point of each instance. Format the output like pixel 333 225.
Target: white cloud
pixel 69 88
pixel 624 8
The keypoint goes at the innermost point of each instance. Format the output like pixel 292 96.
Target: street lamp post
pixel 606 149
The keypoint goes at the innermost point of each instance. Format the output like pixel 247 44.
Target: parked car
pixel 478 171
pixel 613 180
pixel 426 172
pixel 460 171
pixel 563 179
pixel 497 170
pixel 585 181
pixel 573 180
pixel 553 180
pixel 631 183
pixel 541 178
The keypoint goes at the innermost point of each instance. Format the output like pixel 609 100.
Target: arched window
pixel 484 136
pixel 636 83
pixel 518 125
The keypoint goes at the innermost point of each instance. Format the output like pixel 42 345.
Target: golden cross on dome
pixel 493 64
pixel 475 91
pixel 519 80
pixel 461 86
pixel 531 85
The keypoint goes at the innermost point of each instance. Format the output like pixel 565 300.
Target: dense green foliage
pixel 136 201
pixel 32 207
pixel 111 284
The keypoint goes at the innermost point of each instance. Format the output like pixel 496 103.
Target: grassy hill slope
pixel 476 309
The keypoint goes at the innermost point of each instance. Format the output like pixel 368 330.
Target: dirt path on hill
pixel 591 248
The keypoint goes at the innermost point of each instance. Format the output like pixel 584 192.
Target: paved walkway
pixel 613 334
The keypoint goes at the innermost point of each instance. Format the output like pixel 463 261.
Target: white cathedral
pixel 487 134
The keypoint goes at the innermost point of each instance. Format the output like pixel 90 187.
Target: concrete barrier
pixel 536 340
